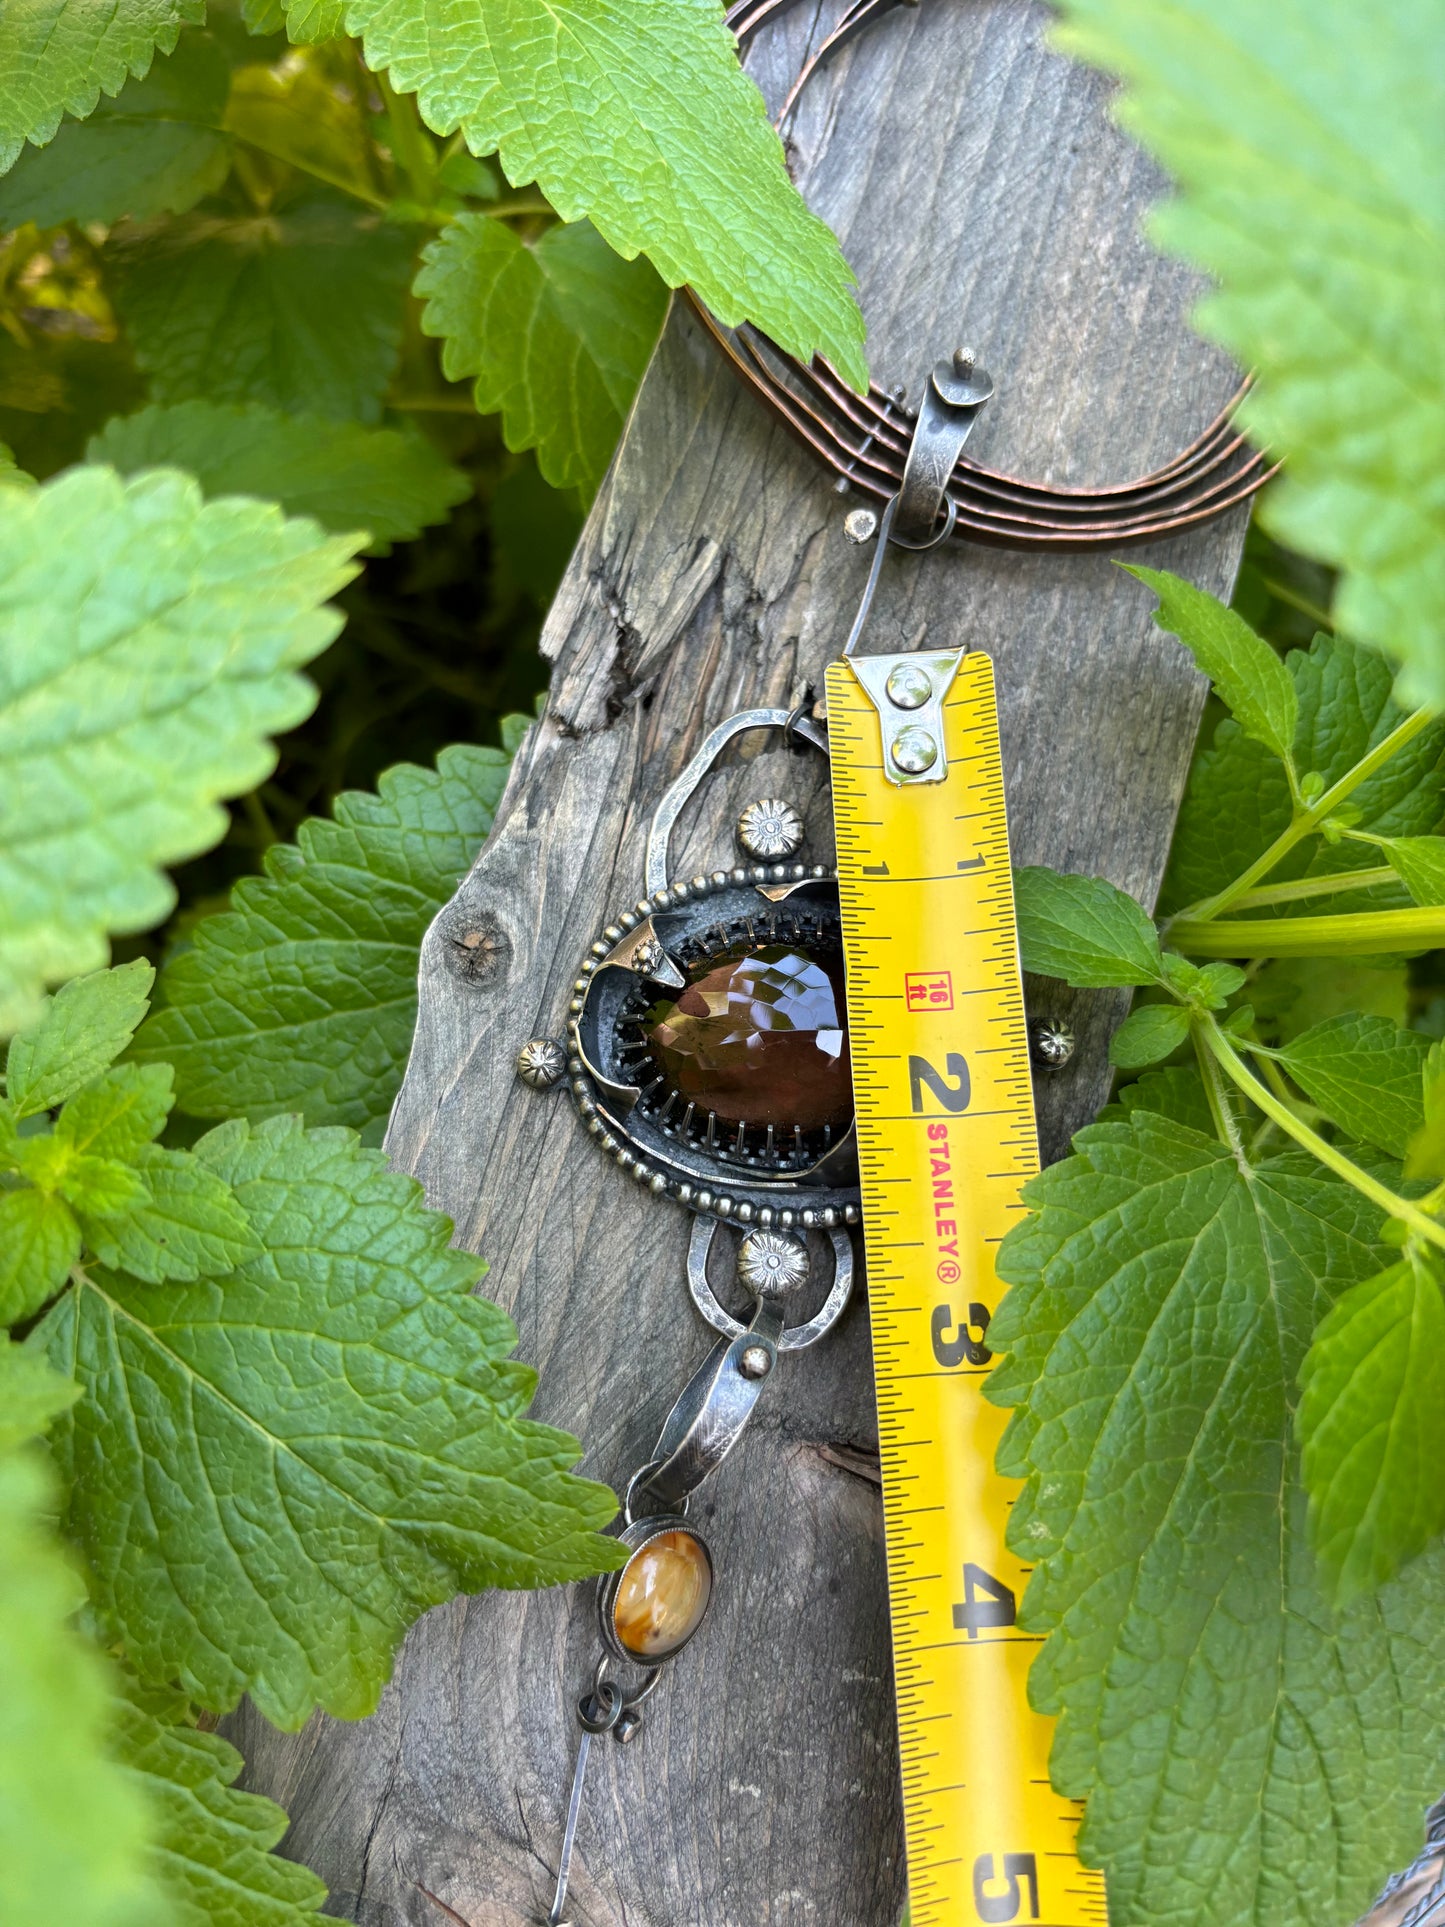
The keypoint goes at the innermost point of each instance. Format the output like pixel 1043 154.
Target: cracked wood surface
pixel 982 195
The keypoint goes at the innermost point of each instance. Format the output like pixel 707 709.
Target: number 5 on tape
pixel 945 1140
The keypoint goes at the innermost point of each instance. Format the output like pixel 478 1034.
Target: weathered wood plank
pixel 982 195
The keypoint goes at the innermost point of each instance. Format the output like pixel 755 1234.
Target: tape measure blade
pixel 946 1139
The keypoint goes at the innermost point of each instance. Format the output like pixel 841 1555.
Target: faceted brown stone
pixel 662 1596
pixel 760 1037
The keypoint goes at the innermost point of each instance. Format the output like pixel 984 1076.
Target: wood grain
pixel 982 195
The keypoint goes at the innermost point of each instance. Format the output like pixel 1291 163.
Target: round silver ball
pixel 772 1262
pixel 755 1361
pixel 541 1062
pixel 647 958
pixel 770 829
pixel 1051 1044
pixel 860 525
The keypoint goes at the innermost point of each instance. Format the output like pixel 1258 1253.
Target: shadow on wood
pixel 982 195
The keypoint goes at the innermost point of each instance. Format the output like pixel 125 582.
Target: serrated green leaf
pixel 1372 1427
pixel 82 1029
pixel 73 1830
pixel 1290 160
pixel 557 333
pixel 1237 800
pixel 1420 861
pixel 212 1841
pixel 187 1223
pixel 299 309
pixel 157 148
pixel 1248 676
pixel 1365 1074
pixel 1148 1034
pixel 149 645
pixel 342 1434
pixel 119 1113
pixel 59 56
pixel 305 21
pixel 638 118
pixel 1161 1303
pixel 390 482
pixel 1084 930
pixel 303 997
pixel 93 1187
pixel 39 1242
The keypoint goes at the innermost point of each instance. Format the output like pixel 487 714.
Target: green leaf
pixel 1084 930
pixel 296 113
pixel 1162 1302
pixel 1248 676
pixel 1420 861
pixel 1237 800
pixel 212 1841
pixel 1176 1093
pixel 390 482
pixel 149 644
pixel 303 997
pixel 187 1223
pixel 1365 1074
pixel 341 1430
pixel 119 1113
pixel 1148 1034
pixel 1372 1426
pixel 32 1393
pixel 556 331
pixel 59 56
pixel 305 21
pixel 299 309
pixel 94 1187
pixel 1291 159
pixel 39 1242
pixel 156 149
pixel 637 117
pixel 73 1830
pixel 81 1029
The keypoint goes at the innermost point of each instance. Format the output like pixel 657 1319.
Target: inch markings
pixel 946 1139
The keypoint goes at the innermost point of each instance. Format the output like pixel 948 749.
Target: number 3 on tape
pixel 945 1141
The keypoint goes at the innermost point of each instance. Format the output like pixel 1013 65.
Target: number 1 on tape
pixel 945 1140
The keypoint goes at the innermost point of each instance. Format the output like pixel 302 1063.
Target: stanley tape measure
pixel 945 1141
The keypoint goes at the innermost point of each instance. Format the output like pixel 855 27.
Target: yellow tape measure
pixel 945 1140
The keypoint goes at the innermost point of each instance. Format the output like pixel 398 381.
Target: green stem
pixel 1282 592
pixel 1307 887
pixel 1367 933
pixel 1306 822
pixel 1226 1124
pixel 357 189
pixel 410 147
pixel 1328 1155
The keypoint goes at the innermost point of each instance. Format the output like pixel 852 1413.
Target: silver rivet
pixel 1051 1044
pixel 963 360
pixel 648 957
pixel 860 525
pixel 909 686
pixel 755 1361
pixel 770 828
pixel 913 751
pixel 541 1063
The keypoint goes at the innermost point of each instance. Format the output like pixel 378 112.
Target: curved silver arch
pixel 795 1338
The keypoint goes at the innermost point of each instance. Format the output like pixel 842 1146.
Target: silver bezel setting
pixel 637 1537
pixel 792 1200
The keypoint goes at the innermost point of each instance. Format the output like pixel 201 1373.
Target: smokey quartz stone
pixel 759 1037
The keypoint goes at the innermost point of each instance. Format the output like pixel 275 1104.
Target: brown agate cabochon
pixel 662 1595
